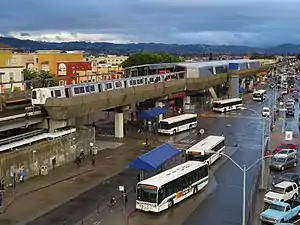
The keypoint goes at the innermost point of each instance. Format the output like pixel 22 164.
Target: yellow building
pixel 110 59
pixel 20 59
pixel 5 55
pixel 47 59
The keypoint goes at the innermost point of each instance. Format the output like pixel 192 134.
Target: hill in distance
pixel 111 48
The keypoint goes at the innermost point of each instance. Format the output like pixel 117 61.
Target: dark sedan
pixel 292 177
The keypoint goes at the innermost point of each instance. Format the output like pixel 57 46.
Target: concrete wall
pixel 32 157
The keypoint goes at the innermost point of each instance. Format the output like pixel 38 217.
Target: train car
pixel 40 95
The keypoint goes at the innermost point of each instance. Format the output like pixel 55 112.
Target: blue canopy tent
pixel 151 113
pixel 242 90
pixel 154 159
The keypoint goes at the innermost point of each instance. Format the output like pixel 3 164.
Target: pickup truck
pixel 280 212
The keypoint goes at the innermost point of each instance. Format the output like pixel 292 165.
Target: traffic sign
pixel 201 131
pixel 288 135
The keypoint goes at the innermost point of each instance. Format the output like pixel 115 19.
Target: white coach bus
pixel 259 95
pixel 227 105
pixel 177 124
pixel 168 188
pixel 208 150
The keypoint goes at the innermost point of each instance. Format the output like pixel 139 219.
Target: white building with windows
pixel 8 78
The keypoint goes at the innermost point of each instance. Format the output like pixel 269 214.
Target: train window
pixel 118 84
pixel 57 93
pixel 139 81
pixel 87 89
pixel 52 94
pixel 33 95
pixel 92 88
pixel 99 87
pixel 108 86
pixel 151 79
pixel 79 90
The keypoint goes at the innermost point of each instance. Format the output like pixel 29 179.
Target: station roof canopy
pixel 151 113
pixel 201 64
pixel 155 158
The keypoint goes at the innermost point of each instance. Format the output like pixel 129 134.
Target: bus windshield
pixel 217 105
pixel 147 193
pixel 256 95
pixel 197 157
pixel 164 125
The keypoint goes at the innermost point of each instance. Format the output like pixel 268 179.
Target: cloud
pixel 255 22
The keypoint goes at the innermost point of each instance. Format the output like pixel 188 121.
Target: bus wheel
pixel 195 190
pixel 170 203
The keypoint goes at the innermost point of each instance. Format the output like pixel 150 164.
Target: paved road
pixel 224 205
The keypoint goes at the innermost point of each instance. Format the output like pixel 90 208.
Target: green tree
pixel 36 79
pixel 47 79
pixel 149 58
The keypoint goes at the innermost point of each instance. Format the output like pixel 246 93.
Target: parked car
pixel 283 191
pixel 284 153
pixel 282 163
pixel 280 212
pixel 292 177
pixel 285 145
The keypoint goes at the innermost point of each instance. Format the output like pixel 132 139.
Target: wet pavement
pixel 243 128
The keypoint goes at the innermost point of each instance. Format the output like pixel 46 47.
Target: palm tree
pixel 47 79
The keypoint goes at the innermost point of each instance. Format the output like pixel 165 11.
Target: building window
pixel 45 67
pixel 62 69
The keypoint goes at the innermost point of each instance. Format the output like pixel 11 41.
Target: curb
pixel 254 190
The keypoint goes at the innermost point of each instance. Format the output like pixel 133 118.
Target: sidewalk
pixel 44 193
pixel 276 139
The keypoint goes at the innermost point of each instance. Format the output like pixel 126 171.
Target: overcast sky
pixel 243 22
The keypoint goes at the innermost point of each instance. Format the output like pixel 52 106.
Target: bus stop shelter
pixel 151 113
pixel 157 160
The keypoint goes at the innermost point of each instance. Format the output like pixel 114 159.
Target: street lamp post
pixel 244 169
pixel 262 148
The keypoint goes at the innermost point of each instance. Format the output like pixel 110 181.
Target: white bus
pixel 227 104
pixel 177 124
pixel 259 95
pixel 200 151
pixel 167 188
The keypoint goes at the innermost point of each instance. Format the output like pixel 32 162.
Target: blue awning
pixel 155 158
pixel 151 113
pixel 242 90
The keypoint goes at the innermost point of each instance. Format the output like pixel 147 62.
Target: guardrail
pixel 22 136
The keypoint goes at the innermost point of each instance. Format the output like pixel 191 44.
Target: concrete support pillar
pixel 52 125
pixel 159 104
pixel 234 86
pixel 186 100
pixel 251 84
pixel 119 124
pixel 213 93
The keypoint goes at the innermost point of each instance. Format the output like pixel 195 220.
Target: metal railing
pixel 22 136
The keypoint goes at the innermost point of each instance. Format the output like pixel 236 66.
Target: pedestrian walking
pixel 93 159
pixel 53 162
pixel 2 184
pixel 78 161
pixel 146 142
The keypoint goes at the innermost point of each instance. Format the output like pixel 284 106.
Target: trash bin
pixel 44 170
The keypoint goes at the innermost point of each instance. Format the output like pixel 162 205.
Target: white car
pixel 266 112
pixel 284 153
pixel 284 92
pixel 283 191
